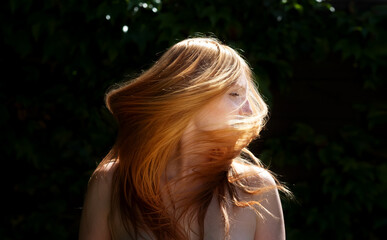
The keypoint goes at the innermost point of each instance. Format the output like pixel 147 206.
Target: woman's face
pixel 217 113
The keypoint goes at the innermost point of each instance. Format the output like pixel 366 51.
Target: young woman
pixel 179 168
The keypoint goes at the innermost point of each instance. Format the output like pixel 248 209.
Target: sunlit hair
pixel 152 112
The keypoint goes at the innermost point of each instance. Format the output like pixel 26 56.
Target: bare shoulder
pixel 270 221
pixel 103 174
pixel 256 176
pixel 97 204
pixel 100 183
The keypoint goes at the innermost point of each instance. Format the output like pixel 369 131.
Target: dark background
pixel 321 66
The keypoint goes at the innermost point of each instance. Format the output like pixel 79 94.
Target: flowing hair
pixel 153 112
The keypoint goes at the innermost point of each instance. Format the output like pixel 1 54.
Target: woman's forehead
pixel 241 82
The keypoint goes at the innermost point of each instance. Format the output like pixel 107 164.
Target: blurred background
pixel 321 66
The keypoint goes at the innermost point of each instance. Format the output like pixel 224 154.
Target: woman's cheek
pixel 235 103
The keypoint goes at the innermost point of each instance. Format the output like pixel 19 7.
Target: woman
pixel 180 168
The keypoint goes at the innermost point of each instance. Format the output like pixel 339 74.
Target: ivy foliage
pixel 58 58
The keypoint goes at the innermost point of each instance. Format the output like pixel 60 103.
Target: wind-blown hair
pixel 153 111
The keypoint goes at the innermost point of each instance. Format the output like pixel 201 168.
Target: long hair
pixel 153 111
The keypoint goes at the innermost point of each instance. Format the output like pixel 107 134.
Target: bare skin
pixel 244 222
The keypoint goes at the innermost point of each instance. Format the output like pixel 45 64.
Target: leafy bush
pixel 322 70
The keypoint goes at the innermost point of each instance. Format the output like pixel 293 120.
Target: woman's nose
pixel 246 109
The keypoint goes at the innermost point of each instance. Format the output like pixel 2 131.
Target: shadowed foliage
pixel 322 66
